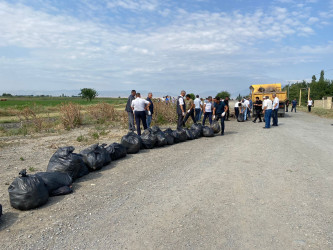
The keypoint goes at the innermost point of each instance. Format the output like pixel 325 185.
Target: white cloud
pixel 149 5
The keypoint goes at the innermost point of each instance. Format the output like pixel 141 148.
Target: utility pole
pixel 308 93
pixel 300 97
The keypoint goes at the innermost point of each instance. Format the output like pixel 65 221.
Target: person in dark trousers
pixel 129 110
pixel 139 106
pixel 275 109
pixel 219 112
pixel 150 111
pixel 293 105
pixel 258 107
pixel 236 108
pixel 181 107
pixel 207 109
pixel 190 112
pixel 287 105
pixel 310 104
pixel 226 103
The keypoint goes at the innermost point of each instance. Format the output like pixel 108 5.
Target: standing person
pixel 190 112
pixel 250 107
pixel 220 110
pixel 139 107
pixel 129 110
pixel 258 107
pixel 167 99
pixel 236 108
pixel 267 110
pixel 181 107
pixel 197 107
pixel 310 104
pixel 275 109
pixel 201 110
pixel 247 107
pixel 150 110
pixel 226 103
pixel 207 109
pixel 293 105
pixel 287 105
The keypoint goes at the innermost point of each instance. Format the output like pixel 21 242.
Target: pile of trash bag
pixel 65 161
pixel 216 127
pixel 198 128
pixel 148 139
pixel 27 192
pixel 56 183
pixel 132 142
pixel 116 151
pixel 189 134
pixel 181 134
pixel 169 137
pixel 207 131
pixel 95 156
pixel 0 210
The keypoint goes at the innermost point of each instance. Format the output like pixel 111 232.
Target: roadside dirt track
pixel 250 189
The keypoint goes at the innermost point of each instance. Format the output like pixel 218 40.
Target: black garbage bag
pixel 155 129
pixel 197 127
pixel 84 170
pixel 216 127
pixel 62 191
pixel 65 161
pixel 240 118
pixel 0 210
pixel 174 134
pixel 195 133
pixel 182 135
pixel 95 157
pixel 132 142
pixel 207 131
pixel 161 139
pixel 55 180
pixel 189 134
pixel 148 139
pixel 27 192
pixel 169 136
pixel 116 151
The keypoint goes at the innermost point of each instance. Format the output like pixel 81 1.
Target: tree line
pixel 318 88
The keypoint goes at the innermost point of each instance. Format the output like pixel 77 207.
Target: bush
pixel 102 112
pixel 164 113
pixel 70 115
pixel 31 115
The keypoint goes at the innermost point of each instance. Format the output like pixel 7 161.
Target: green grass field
pixel 22 102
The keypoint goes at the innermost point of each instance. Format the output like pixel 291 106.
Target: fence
pixel 325 103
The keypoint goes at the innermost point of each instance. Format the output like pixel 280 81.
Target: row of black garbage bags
pixel 31 191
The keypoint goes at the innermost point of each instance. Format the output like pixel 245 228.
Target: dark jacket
pixel 179 110
pixel 151 107
pixel 129 103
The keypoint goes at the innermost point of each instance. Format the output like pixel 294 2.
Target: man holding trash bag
pixel 190 112
pixel 129 110
pixel 139 106
pixel 181 107
pixel 219 112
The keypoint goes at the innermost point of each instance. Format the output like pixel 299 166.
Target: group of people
pixel 141 110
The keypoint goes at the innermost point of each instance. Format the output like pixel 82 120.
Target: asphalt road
pixel 250 189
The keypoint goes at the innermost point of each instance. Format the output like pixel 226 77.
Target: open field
pixel 250 189
pixel 326 113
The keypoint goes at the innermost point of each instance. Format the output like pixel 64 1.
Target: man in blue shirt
pixel 219 111
pixel 293 103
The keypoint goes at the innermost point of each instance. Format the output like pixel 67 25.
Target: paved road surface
pixel 251 189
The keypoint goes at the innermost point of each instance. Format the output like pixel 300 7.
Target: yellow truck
pixel 262 90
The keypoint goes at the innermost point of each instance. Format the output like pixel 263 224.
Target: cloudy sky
pixel 162 45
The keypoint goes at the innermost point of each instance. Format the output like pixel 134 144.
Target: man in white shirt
pixel 275 109
pixel 236 109
pixel 267 110
pixel 139 106
pixel 247 108
pixel 310 104
pixel 197 108
pixel 181 107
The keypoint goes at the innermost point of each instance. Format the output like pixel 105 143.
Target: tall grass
pixel 70 115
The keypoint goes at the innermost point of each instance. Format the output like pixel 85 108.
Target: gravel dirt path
pixel 250 189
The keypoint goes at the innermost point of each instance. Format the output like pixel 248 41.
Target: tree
pixel 192 96
pixel 223 94
pixel 88 93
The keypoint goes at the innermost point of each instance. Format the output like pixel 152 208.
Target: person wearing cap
pixel 219 111
pixel 139 106
pixel 207 109
pixel 181 107
pixel 275 110
pixel 267 110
